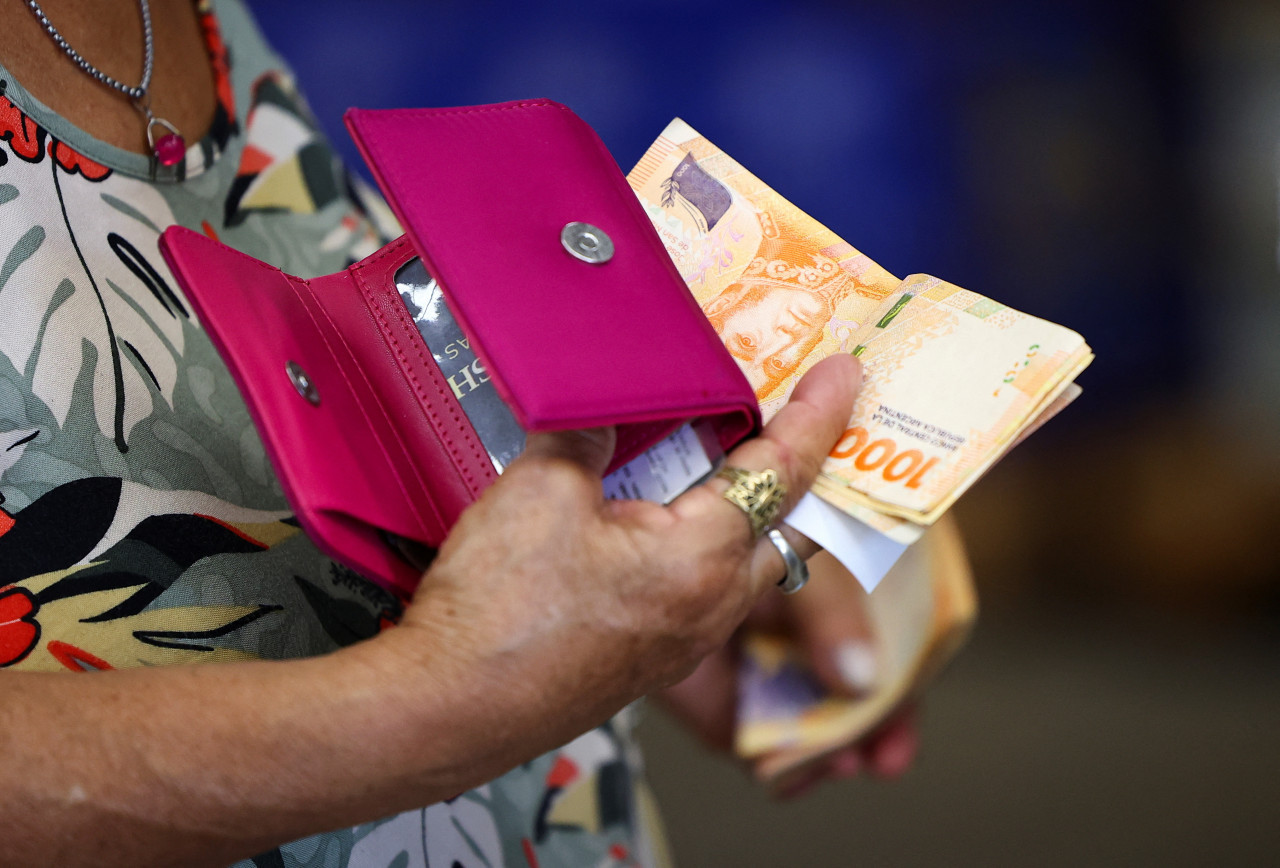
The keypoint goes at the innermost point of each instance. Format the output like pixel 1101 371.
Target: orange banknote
pixel 952 379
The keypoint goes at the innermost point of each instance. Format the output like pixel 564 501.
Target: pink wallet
pixel 563 294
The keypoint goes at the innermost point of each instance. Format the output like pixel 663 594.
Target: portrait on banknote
pixel 774 315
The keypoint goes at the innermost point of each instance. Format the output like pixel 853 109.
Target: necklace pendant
pixel 170 147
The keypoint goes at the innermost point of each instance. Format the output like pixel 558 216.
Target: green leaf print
pixel 85 292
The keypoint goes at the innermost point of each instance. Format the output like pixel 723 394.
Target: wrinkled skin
pixel 588 604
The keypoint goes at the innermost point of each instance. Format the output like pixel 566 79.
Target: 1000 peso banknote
pixel 951 379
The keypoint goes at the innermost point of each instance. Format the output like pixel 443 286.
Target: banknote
pixel 951 379
pixel 921 614
pixel 782 290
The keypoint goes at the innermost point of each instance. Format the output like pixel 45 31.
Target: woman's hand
pixel 829 623
pixel 552 608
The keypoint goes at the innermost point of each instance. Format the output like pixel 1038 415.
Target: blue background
pixel 1026 151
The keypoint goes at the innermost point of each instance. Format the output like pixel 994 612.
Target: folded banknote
pixel 951 379
pixel 921 615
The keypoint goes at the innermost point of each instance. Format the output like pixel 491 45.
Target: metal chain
pixel 135 93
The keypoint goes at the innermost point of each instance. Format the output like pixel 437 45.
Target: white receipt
pixel 664 472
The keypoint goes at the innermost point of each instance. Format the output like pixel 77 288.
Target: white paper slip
pixel 667 470
pixel 863 551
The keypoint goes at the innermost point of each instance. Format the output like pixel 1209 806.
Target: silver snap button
pixel 586 242
pixel 302 382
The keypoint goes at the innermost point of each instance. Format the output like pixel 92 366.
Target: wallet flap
pixel 484 193
pixel 359 452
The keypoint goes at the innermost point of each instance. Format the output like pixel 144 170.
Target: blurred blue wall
pixel 1031 152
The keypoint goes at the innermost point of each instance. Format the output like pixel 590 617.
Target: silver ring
pixel 797 569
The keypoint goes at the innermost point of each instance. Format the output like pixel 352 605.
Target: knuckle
pixel 699 591
pixel 797 467
pixel 549 476
pixel 718 593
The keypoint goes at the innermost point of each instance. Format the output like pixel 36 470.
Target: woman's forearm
pixel 208 764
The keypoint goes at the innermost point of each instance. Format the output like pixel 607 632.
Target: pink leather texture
pixel 484 191
pixel 387 449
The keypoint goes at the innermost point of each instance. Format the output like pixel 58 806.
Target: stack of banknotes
pixel 952 380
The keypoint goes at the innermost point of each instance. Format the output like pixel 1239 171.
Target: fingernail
pixel 856 662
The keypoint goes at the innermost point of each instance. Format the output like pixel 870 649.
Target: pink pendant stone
pixel 170 149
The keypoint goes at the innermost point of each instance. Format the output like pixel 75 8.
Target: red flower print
pixel 19 630
pixel 74 161
pixel 219 59
pixel 77 659
pixel 25 136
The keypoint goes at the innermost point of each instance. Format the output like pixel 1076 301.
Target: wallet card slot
pixel 447 443
pixel 468 379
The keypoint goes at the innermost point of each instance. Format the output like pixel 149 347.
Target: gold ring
pixel 758 493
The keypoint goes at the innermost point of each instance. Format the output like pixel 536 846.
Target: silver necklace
pixel 170 147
